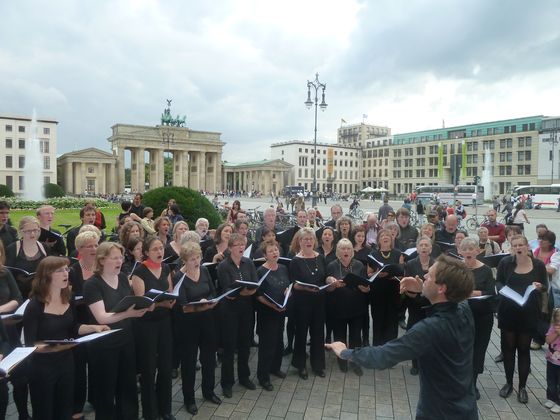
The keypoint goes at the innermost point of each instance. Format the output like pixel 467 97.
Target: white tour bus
pixel 447 193
pixel 543 196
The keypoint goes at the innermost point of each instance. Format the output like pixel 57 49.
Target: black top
pixel 40 326
pixel 20 260
pixel 309 270
pixel 76 279
pixel 8 235
pixel 152 282
pixel 330 257
pixel 275 283
pixel 58 248
pixel 211 252
pixel 8 288
pixel 362 254
pixel 129 264
pixel 445 236
pixel 483 281
pixel 96 289
pixel 138 210
pixel 385 289
pixel 443 344
pixel 348 301
pixel 169 253
pixel 193 291
pixel 71 239
pixel 228 272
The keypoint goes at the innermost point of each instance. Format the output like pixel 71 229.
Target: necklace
pixel 315 269
pixel 90 268
pixel 386 256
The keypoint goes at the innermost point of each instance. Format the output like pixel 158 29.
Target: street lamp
pixel 316 85
pixel 168 138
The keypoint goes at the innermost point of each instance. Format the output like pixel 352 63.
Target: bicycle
pixel 356 213
pixel 255 217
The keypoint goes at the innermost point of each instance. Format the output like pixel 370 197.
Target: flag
pixel 365 116
pixel 463 159
pixel 440 160
pixel 342 121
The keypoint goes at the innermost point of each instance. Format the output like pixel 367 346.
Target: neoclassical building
pixel 264 175
pixel 91 171
pixel 197 156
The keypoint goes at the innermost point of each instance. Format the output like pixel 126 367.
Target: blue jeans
pixel 555 297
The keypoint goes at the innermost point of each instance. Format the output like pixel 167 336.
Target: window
pixel 46 131
pixel 10 182
pixel 90 169
pixel 8 143
pixel 532 126
pixel 8 128
pixel 21 183
pixel 9 162
pixel 47 180
pixel 21 143
pixel 22 162
pixel 528 141
pixel 21 129
pixel 47 162
pixel 521 141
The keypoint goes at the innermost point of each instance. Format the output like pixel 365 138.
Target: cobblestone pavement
pixel 385 394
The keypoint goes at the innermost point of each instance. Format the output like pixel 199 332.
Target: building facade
pixel 16 140
pixel 357 135
pixel 265 176
pixel 89 171
pixel 338 166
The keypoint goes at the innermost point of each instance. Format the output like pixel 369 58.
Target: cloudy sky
pixel 240 67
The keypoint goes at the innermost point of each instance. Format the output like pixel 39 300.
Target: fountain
pixel 487 175
pixel 33 172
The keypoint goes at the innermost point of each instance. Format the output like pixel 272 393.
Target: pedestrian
pixel 553 364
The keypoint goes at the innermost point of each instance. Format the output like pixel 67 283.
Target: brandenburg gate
pixel 197 155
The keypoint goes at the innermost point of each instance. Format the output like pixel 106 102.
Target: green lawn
pixel 68 216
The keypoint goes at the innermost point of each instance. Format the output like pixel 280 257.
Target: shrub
pixel 193 205
pixel 59 203
pixel 5 191
pixel 53 190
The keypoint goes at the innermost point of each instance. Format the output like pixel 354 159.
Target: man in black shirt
pixel 7 233
pixel 137 206
pixel 442 343
pixel 87 216
pixel 447 235
pixel 51 238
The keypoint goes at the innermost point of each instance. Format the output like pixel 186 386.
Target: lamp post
pixel 316 85
pixel 168 138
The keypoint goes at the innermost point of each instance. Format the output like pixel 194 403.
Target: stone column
pixel 134 170
pixel 101 188
pixel 141 170
pixel 201 170
pixel 83 178
pixel 176 166
pixel 185 168
pixel 156 168
pixel 68 178
pixel 119 170
pixel 217 173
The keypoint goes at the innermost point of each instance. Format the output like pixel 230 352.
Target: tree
pixel 5 191
pixel 193 205
pixel 53 190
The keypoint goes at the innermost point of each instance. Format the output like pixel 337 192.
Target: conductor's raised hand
pixel 411 285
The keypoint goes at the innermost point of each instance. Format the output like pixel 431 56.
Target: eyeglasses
pixel 62 270
pixel 115 258
pixel 31 231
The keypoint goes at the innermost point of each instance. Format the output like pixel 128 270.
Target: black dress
pixel 153 335
pixel 511 316
pixel 51 375
pixel 347 305
pixel 483 314
pixel 196 331
pixel 270 323
pixel 20 262
pixel 113 359
pixel 309 312
pixel 385 301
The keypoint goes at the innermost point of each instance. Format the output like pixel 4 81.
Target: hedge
pixel 192 204
pixel 59 203
pixel 53 190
